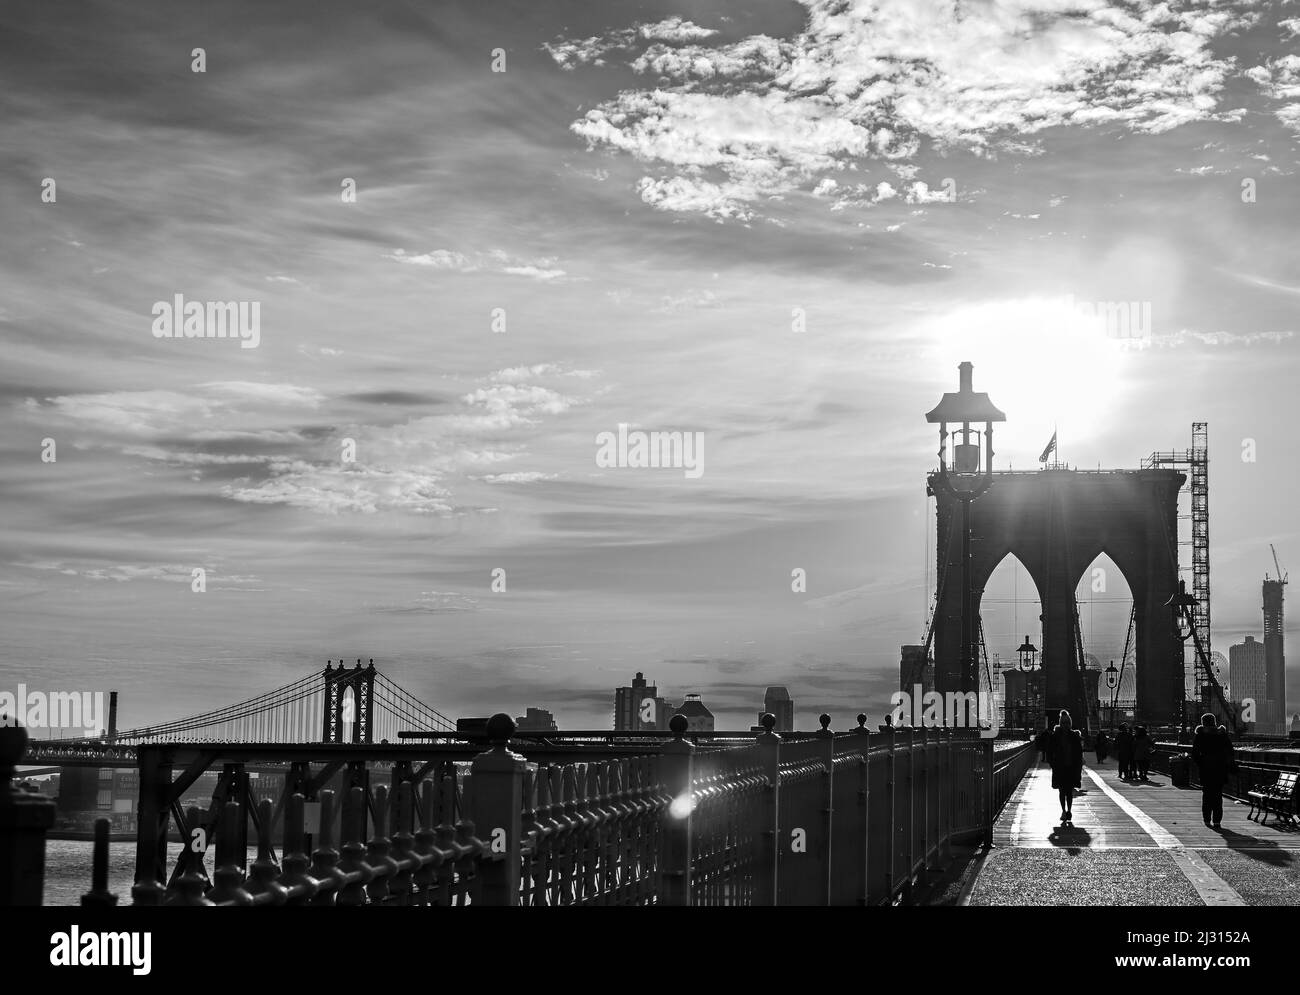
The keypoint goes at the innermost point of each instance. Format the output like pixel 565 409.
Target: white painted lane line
pixel 1025 787
pixel 1212 889
pixel 1163 837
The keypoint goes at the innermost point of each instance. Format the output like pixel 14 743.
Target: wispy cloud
pixel 493 261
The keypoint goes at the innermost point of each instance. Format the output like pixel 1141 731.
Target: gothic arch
pixel 1056 522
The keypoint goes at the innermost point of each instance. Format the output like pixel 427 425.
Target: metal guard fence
pixel 851 818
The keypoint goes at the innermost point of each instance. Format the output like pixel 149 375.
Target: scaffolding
pixel 1197 461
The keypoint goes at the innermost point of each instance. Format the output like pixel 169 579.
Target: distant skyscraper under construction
pixel 1274 659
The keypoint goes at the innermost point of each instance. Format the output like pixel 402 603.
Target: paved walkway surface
pixel 1133 844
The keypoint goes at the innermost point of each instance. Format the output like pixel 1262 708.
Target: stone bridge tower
pixel 1056 522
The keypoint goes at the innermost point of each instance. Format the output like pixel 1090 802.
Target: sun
pixel 1047 362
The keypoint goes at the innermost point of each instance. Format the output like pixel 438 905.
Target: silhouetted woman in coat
pixel 1124 752
pixel 1212 753
pixel 1102 744
pixel 1066 752
pixel 1142 752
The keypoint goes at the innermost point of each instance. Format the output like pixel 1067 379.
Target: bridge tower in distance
pixel 340 708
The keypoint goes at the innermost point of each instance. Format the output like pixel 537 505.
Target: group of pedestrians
pixel 1062 747
pixel 1133 749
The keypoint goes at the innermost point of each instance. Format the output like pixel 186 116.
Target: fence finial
pixel 499 730
pixel 825 720
pixel 678 725
pixel 862 720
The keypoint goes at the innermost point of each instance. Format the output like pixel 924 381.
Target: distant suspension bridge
pixel 339 705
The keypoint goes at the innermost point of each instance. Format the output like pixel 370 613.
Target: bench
pixel 1278 798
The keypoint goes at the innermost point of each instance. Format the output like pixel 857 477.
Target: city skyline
pixel 701 221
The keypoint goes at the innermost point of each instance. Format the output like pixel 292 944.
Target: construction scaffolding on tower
pixel 1197 461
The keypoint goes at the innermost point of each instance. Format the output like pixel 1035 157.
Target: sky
pixel 781 228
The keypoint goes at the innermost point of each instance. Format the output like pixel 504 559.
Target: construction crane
pixel 1281 576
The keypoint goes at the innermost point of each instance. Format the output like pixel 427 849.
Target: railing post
pixel 945 792
pixel 911 811
pixel 990 777
pixel 925 798
pixel 498 777
pixel 232 847
pixel 826 741
pixel 678 776
pixel 766 870
pixel 263 875
pixel 25 815
pixel 99 897
pixel 864 805
pixel 892 833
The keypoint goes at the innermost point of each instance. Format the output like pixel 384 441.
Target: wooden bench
pixel 1278 798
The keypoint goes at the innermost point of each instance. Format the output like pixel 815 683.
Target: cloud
pixel 873 81
pixel 332 489
pixel 758 57
pixel 150 413
pixel 1280 79
pixel 252 437
pixel 176 573
pixel 513 404
pixel 433 603
pixel 518 374
pixel 594 51
pixel 518 477
pixel 681 193
pixel 493 261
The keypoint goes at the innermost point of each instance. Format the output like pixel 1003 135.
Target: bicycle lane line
pixel 1211 888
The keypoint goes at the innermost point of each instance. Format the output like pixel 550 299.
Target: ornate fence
pixel 837 818
pixel 1251 771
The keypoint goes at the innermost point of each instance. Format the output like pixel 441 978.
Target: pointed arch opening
pixel 1108 636
pixel 1011 611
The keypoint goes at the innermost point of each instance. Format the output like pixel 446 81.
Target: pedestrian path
pixel 1138 843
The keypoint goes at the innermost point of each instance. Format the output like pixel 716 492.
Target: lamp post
pixel 970 476
pixel 1112 682
pixel 1182 605
pixel 1026 661
pixel 1028 654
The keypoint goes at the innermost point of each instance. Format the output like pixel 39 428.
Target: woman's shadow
pixel 1069 837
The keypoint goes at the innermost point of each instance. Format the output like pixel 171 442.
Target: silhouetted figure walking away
pixel 1065 748
pixel 1124 752
pixel 1044 741
pixel 1101 743
pixel 1142 752
pixel 1212 753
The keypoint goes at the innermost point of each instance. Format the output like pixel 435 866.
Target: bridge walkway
pixel 1132 844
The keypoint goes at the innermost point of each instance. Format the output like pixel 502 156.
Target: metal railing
pixel 848 818
pixel 1247 773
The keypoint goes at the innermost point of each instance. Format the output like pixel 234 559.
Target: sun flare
pixel 1046 362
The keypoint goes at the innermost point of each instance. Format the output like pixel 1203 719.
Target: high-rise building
pixel 536 720
pixel 640 706
pixel 1247 678
pixel 915 668
pixel 777 700
pixel 698 717
pixel 1274 659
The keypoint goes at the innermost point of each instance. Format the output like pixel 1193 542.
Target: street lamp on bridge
pixel 970 475
pixel 1026 662
pixel 1112 682
pixel 1028 654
